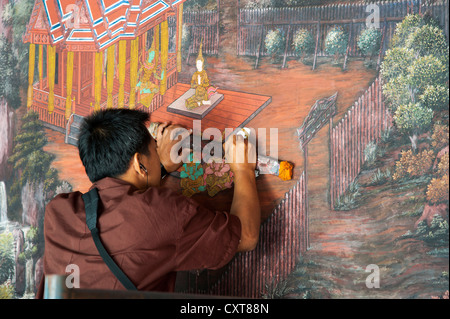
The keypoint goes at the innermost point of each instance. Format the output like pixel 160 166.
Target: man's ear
pixel 135 163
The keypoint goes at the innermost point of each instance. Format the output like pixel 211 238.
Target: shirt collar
pixel 110 182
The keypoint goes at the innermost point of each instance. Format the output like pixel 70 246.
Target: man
pixel 150 232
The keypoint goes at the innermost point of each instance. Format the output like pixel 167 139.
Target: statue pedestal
pixel 179 106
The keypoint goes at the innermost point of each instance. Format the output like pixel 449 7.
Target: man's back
pixel 149 234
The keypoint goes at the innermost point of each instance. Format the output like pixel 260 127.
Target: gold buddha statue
pixel 200 83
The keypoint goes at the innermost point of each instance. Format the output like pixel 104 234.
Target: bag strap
pixel 91 204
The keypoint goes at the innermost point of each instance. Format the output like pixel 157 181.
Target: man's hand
pixel 240 154
pixel 167 137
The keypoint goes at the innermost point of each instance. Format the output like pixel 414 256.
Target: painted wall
pixel 377 200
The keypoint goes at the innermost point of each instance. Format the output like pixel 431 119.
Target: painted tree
pixel 428 40
pixel 396 63
pixel 412 120
pixel 336 42
pixel 9 74
pixel 415 73
pixel 425 71
pixel 31 164
pixel 303 42
pixel 435 97
pixel 404 28
pixel 6 257
pixel 275 41
pixel 369 41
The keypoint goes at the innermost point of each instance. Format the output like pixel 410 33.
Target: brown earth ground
pixel 342 243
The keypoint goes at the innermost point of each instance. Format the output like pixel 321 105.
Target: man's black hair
pixel 108 140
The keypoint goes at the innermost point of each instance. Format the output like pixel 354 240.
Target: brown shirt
pixel 150 235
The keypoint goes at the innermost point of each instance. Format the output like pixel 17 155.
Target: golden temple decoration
pixel 69 84
pixel 133 71
pixel 110 75
pixel 98 79
pixel 164 55
pixel 51 52
pixel 180 36
pixel 122 64
pixel 31 57
pixel 41 62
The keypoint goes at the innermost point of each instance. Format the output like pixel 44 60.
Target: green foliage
pixel 371 152
pixel 336 41
pixel 275 41
pixel 415 73
pixel 349 200
pixel 427 70
pixel 396 63
pixel 277 290
pixel 404 28
pixel 380 177
pixel 303 42
pixel 369 41
pixel 9 71
pixel 396 92
pixel 7 290
pixel 21 16
pixel 32 235
pixel 7 14
pixel 435 97
pixel 386 135
pixel 429 40
pixel 436 234
pixel 30 162
pixel 6 256
pixel 413 118
pixel 14 53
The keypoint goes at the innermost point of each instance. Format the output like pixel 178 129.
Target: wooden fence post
pixel 286 47
pixel 238 26
pixel 259 47
pixel 382 44
pixel 217 30
pixel 348 47
pixel 331 164
pixel 317 45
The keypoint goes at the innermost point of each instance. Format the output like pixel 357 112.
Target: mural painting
pixel 349 100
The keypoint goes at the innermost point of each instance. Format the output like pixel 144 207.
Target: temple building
pixel 89 54
pixel 97 54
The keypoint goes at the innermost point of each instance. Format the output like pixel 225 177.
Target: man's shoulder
pixel 65 201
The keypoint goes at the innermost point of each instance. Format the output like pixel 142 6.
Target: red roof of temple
pixel 93 25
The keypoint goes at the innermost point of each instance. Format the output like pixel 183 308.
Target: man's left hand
pixel 167 137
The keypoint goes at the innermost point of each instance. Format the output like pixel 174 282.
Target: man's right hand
pixel 240 154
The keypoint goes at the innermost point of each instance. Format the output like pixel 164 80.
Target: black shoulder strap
pixel 91 204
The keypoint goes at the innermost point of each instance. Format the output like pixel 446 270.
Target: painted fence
pixel 364 122
pixel 202 25
pixel 254 24
pixel 283 238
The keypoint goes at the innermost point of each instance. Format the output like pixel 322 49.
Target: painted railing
pixel 283 238
pixel 364 122
pixel 40 106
